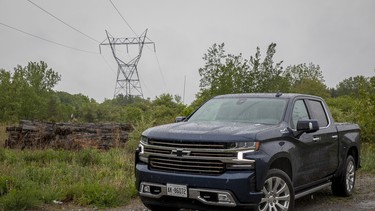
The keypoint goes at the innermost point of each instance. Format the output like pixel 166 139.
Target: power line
pixel 123 18
pixel 161 72
pixel 159 66
pixel 91 38
pixel 46 40
pixel 108 64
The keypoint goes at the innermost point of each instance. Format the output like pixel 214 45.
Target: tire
pixel 344 184
pixel 278 192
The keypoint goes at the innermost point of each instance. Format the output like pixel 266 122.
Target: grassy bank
pixel 3 135
pixel 31 178
pixel 368 158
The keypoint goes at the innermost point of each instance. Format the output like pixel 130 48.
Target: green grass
pixel 90 178
pixel 368 158
pixel 31 178
pixel 3 135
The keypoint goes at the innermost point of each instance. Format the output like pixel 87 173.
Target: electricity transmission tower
pixel 127 81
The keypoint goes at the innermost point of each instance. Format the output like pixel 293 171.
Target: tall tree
pixel 226 73
pixel 297 73
pixel 268 75
pixel 351 86
pixel 307 79
pixel 365 109
pixel 27 89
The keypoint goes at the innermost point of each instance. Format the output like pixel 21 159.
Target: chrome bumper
pixel 224 198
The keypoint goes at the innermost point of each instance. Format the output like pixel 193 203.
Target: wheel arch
pixel 284 164
pixel 353 151
pixel 280 161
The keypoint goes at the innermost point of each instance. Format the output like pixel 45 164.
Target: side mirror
pixel 308 126
pixel 180 118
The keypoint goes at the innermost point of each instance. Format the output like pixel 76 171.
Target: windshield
pixel 253 110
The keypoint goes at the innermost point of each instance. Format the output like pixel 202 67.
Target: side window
pixel 299 113
pixel 318 112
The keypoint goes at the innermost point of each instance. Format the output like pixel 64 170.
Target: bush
pixel 100 195
pixel 2 155
pixel 3 135
pixel 368 157
pixel 88 157
pixel 134 137
pixel 21 199
pixel 6 184
pixel 30 178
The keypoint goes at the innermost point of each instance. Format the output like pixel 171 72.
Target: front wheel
pixel 278 192
pixel 344 184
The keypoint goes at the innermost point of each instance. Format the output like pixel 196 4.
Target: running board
pixel 309 191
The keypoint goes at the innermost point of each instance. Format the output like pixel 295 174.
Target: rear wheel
pixel 278 192
pixel 344 184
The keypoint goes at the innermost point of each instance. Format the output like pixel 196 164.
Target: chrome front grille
pixel 192 153
pixel 188 144
pixel 176 164
pixel 188 157
pixel 192 157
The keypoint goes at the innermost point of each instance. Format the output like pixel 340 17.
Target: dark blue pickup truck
pixel 247 151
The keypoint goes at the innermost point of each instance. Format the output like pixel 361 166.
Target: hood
pixel 207 131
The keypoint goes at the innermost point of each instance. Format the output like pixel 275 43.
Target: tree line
pixel 27 92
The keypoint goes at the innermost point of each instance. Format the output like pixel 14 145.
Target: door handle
pixel 315 139
pixel 334 137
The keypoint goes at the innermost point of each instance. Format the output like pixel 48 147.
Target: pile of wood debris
pixel 70 136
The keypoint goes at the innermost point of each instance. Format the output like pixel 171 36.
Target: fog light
pixel 209 196
pixel 146 189
pixel 155 190
pixel 223 197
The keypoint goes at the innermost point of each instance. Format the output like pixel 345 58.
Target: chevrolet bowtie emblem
pixel 180 152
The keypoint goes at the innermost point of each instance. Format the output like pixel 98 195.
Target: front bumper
pixel 230 189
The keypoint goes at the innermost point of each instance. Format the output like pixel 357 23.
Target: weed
pixel 21 199
pixel 88 157
pixel 141 125
pixel 368 158
pixel 6 184
pixel 3 134
pixel 2 155
pixel 30 178
pixel 100 195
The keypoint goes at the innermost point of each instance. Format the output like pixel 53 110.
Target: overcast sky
pixel 338 35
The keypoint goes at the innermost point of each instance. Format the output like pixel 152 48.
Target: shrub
pixel 2 155
pixel 100 195
pixel 88 157
pixel 6 184
pixel 368 157
pixel 21 199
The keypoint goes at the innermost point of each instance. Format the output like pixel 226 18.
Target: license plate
pixel 177 190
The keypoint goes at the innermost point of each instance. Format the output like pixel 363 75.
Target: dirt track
pixel 362 199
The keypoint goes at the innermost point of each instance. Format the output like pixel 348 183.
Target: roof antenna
pixel 278 94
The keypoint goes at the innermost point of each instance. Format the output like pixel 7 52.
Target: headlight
pixel 242 145
pixel 245 145
pixel 144 140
